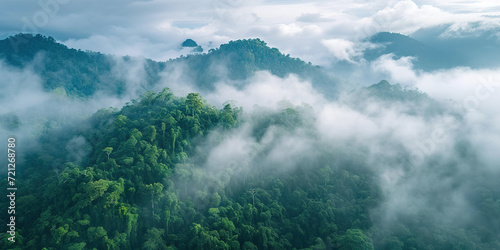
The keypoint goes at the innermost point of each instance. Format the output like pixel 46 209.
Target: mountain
pixel 85 73
pixel 190 43
pixel 143 182
pixel 167 172
pixel 384 166
pixel 477 44
pixel 388 92
pixel 427 57
pixel 239 59
pixel 79 73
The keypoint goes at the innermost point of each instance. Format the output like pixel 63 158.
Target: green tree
pixel 227 116
pixel 193 102
pixel 150 133
pixel 154 239
pixel 355 239
pixel 108 151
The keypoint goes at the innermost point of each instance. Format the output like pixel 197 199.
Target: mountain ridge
pixel 84 73
pixel 427 57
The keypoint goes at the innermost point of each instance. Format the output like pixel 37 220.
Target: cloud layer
pixel 422 162
pixel 315 31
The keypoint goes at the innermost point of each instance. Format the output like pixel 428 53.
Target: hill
pixel 427 57
pixel 84 73
pixel 239 59
pixel 478 46
pixel 168 172
pixel 145 181
pixel 176 172
pixel 79 73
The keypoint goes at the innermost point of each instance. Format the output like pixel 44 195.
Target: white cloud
pixel 380 131
pixel 149 28
pixel 397 70
pixel 406 17
pixel 343 49
pixel 264 89
pixel 21 89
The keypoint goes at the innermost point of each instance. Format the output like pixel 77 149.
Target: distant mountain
pixel 190 43
pixel 427 57
pixel 79 73
pixel 239 59
pixel 388 92
pixel 477 44
pixel 84 73
pixel 412 101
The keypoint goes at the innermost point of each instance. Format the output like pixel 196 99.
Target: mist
pixel 431 159
pixel 30 112
pixel 329 125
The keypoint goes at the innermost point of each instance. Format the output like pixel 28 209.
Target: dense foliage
pixel 77 73
pixel 140 179
pixel 238 60
pixel 141 187
pixel 167 172
pixel 84 73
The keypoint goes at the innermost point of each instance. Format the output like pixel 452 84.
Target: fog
pixel 429 159
pixel 28 111
pixel 428 165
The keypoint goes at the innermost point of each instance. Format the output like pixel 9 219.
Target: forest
pixel 177 172
pixel 142 186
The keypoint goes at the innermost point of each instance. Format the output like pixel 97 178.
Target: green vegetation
pixel 168 172
pixel 240 59
pixel 78 73
pixel 141 187
pixel 145 184
pixel 85 73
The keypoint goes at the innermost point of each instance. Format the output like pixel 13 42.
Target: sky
pixel 314 31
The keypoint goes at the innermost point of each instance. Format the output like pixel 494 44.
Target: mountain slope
pixel 168 172
pixel 240 59
pixel 84 74
pixel 477 44
pixel 426 56
pixel 143 182
pixel 79 73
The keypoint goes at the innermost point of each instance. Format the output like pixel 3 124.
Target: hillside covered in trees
pixel 85 73
pixel 142 185
pixel 178 172
pixel 146 177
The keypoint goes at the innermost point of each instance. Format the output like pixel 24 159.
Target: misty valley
pixel 245 147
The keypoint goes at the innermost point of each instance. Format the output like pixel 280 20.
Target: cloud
pixel 446 156
pixel 421 162
pixel 343 49
pixel 312 18
pixel 473 29
pixel 28 110
pixel 20 89
pixel 131 71
pixel 399 70
pixel 264 89
pixel 78 148
pixel 426 164
pixel 406 17
pixel 152 28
